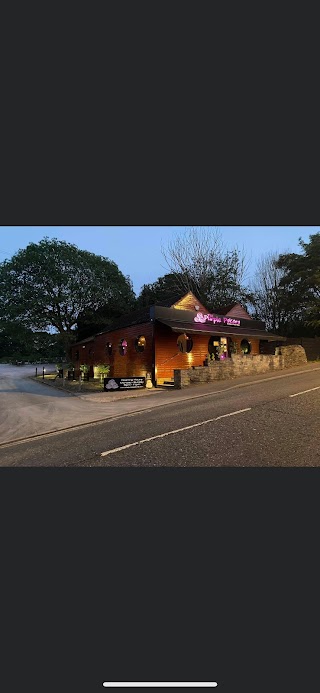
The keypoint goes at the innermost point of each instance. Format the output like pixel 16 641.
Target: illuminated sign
pixel 217 320
pixel 123 384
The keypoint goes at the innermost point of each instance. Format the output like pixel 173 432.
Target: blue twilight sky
pixel 137 249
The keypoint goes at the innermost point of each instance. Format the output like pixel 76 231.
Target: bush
pixel 84 368
pixel 102 369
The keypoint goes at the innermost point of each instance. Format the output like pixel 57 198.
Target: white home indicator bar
pixel 174 684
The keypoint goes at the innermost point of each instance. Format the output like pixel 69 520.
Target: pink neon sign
pixel 216 320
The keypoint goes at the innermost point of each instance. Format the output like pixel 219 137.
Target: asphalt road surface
pixel 271 423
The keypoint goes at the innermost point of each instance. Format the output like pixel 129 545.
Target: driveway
pixel 29 408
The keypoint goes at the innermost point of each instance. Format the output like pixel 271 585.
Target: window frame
pixel 123 347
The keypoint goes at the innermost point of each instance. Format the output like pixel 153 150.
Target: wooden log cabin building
pixel 177 335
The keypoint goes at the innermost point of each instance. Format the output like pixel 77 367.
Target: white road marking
pixel 305 392
pixel 225 416
pixel 171 433
pixel 175 684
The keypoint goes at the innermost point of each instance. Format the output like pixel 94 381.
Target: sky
pixel 137 249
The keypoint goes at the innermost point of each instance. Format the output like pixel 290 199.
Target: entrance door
pixel 218 348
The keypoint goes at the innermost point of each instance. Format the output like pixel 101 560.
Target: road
pixel 274 422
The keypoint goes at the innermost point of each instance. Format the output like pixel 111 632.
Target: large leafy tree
pixel 302 279
pixel 48 285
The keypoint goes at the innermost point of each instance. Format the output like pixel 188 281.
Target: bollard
pixel 36 372
pixel 80 382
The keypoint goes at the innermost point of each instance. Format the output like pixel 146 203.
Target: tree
pixel 48 285
pixel 18 343
pixel 272 301
pixel 302 279
pixel 162 290
pixel 200 263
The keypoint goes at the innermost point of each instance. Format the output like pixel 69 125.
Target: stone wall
pixel 311 346
pixel 239 366
pixel 293 355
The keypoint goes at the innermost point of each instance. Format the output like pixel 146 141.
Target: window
pixel 245 346
pixel 123 347
pixel 140 344
pixel 109 349
pixel 185 344
pixel 214 348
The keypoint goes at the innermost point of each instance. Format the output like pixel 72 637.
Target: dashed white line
pixel 171 433
pixel 305 392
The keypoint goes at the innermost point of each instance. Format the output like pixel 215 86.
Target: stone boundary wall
pixel 310 344
pixel 238 366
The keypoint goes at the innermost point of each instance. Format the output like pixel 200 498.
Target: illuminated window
pixel 140 344
pixel 185 344
pixel 123 347
pixel 109 348
pixel 214 348
pixel 245 346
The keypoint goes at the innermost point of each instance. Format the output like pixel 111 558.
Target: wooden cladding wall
pixel 188 302
pixel 168 356
pixel 132 363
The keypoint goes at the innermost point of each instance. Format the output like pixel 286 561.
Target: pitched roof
pixel 135 318
pixel 225 309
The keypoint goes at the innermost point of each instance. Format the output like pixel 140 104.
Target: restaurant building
pixel 178 335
